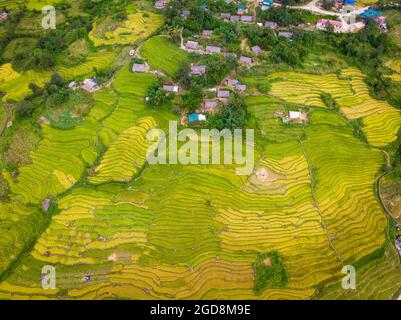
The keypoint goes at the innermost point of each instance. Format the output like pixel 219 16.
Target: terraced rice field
pixel 11 4
pixel 39 4
pixel 16 85
pixel 137 26
pixel 122 228
pixel 163 55
pixel 395 65
pixel 381 121
pixel 100 60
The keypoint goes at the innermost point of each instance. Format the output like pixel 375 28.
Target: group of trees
pixel 234 115
pixel 53 94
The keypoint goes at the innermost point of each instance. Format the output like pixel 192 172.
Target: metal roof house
pixel 256 50
pixel 271 24
pixel 246 19
pixel 139 67
pixel 90 85
pixel 285 34
pixel 223 94
pixel 170 88
pixel 191 45
pixel 370 13
pixel 210 105
pixel 213 49
pixel 245 60
pixel 198 70
pixel 196 117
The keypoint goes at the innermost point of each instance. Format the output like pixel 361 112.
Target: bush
pixel 232 116
pixel 269 272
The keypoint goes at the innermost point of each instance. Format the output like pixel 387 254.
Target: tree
pixel 327 4
pixel 25 108
pixel 192 98
pixel 156 95
pixel 233 115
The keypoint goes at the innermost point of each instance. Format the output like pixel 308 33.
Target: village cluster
pixel 342 9
pixel 221 93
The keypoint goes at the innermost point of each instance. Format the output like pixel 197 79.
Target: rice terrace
pixel 79 196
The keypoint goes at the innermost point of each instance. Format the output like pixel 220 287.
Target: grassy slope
pixel 163 55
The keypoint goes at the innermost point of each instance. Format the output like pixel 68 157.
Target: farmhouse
pixel 160 4
pixel 196 117
pixel 271 24
pixel 225 16
pixel 3 16
pixel 90 85
pixel 73 85
pixel 223 94
pixel 210 105
pixel 370 13
pixel 241 9
pixel 232 82
pixel 240 87
pixel 198 70
pixel 234 18
pixel 213 49
pixel 285 34
pixel 256 50
pixel 171 88
pixel 207 33
pixel 245 60
pixel 323 24
pixel 246 19
pixel 140 67
pixel 191 45
pixel 294 115
pixel 398 244
pixel 266 4
pixel 381 22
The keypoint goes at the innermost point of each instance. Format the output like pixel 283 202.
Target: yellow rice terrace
pixel 186 150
